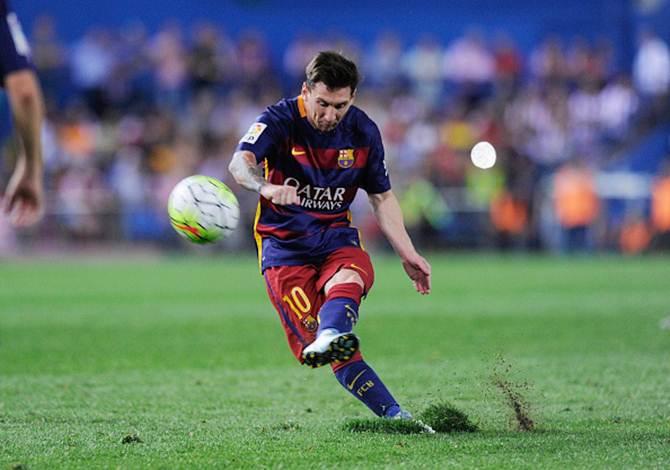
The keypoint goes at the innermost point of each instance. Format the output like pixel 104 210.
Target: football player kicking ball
pixel 316 150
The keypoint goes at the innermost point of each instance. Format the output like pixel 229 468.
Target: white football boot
pixel 405 415
pixel 330 346
pixel 402 415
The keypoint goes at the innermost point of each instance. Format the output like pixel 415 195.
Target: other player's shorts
pixel 297 292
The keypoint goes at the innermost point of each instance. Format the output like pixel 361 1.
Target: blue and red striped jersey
pixel 327 168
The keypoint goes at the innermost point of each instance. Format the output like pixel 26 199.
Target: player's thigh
pixel 350 258
pixel 293 292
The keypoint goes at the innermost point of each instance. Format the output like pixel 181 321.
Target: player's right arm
pixel 248 174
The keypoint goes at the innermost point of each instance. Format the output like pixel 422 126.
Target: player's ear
pixel 304 90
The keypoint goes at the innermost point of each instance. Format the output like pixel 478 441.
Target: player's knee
pixel 349 290
pixel 344 276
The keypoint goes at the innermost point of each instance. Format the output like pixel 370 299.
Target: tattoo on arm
pixel 246 172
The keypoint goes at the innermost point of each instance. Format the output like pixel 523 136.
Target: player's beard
pixel 327 127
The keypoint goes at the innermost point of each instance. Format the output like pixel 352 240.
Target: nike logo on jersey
pixel 350 386
pixel 296 152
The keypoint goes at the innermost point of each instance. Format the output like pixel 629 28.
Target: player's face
pixel 325 107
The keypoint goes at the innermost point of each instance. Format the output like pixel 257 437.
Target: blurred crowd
pixel 131 113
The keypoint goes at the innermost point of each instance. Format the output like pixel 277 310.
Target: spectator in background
pixel 469 64
pixel 651 68
pixel 254 63
pixel 211 60
pixel 635 236
pixel 93 62
pixel 507 60
pixel 48 55
pixel 548 63
pixel 538 123
pixel 382 64
pixel 651 74
pixel 576 205
pixel 296 55
pixel 660 209
pixel 171 68
pixel 422 65
pixel 130 87
pixel 509 217
pixel 587 63
pixel 23 198
pixel 618 106
pixel 584 108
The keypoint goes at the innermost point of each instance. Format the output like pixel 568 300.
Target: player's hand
pixel 23 201
pixel 280 194
pixel 418 270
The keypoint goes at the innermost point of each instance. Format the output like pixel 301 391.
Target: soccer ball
pixel 203 209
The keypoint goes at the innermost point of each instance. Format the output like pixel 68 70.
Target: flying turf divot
pixel 446 418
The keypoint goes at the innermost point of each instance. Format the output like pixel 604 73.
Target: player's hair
pixel 333 70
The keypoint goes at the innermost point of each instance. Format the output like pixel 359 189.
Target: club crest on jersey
pixel 345 158
pixel 310 323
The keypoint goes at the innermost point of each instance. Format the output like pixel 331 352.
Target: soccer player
pixel 23 197
pixel 315 151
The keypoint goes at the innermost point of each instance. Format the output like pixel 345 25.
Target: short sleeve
pixel 376 177
pixel 14 49
pixel 262 139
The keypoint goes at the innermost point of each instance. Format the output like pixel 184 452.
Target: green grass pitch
pixel 181 363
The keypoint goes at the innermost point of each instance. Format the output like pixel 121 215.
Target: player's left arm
pixel 390 220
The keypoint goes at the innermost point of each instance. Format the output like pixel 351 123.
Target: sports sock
pixel 340 310
pixel 340 313
pixel 363 383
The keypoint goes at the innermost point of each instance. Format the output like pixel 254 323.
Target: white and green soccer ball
pixel 203 209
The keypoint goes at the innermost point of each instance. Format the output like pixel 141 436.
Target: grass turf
pixel 181 363
pixel 445 417
pixel 386 426
pixel 438 417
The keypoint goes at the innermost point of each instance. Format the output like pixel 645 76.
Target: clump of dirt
pixel 513 394
pixel 131 439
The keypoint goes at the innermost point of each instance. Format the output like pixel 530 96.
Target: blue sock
pixel 340 313
pixel 363 383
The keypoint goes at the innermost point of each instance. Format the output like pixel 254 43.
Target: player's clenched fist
pixel 280 194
